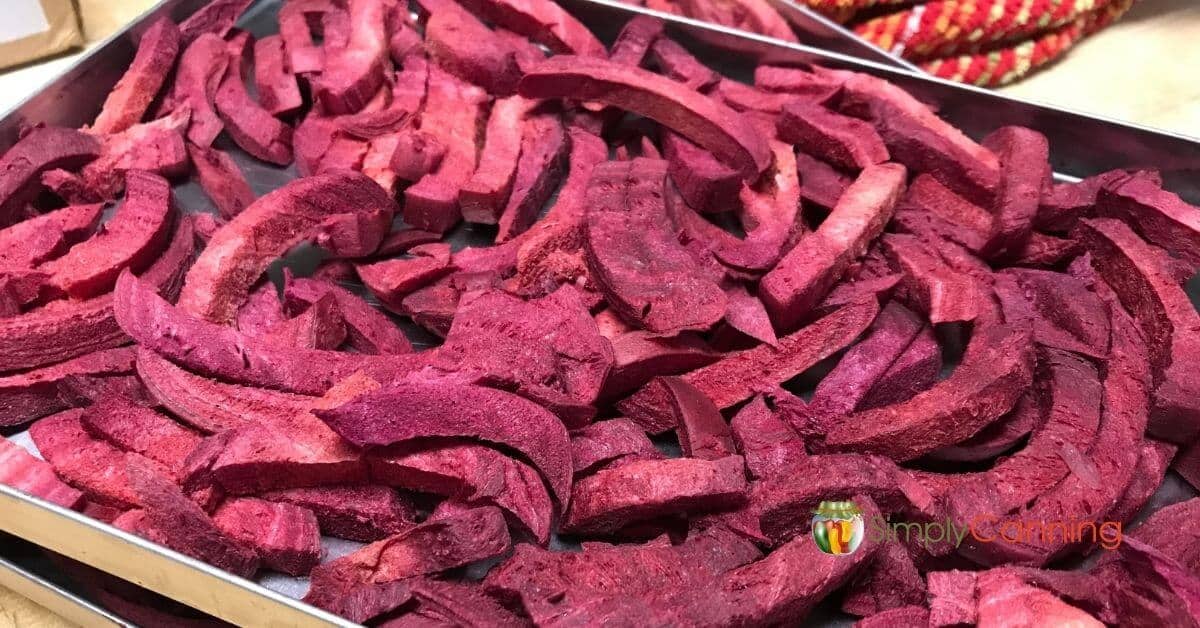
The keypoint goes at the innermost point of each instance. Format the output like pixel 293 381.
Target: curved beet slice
pixel 543 21
pixel 42 149
pixel 355 512
pixel 156 147
pixel 321 326
pixel 201 68
pixel 1161 217
pixel 131 239
pixel 392 280
pixel 131 427
pixel 996 369
pixel 129 100
pixel 707 185
pixel 458 42
pixel 610 499
pixel 998 437
pixel 216 18
pixel 222 180
pixel 36 240
pixel 368 329
pixel 484 196
pixel 635 258
pixel 1025 167
pixel 35 477
pixel 605 442
pixel 805 275
pixel 404 411
pixel 945 294
pixel 355 72
pixel 284 536
pixel 840 140
pixel 703 432
pixel 251 126
pixel 276 85
pixel 769 213
pixel 639 356
pixel 541 167
pixel 634 41
pixel 699 118
pixel 1167 319
pixel 42 392
pixel 240 251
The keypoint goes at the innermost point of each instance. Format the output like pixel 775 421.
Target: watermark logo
pixel 837 527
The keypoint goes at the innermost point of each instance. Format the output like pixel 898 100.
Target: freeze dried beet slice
pixel 284 536
pixel 840 140
pixel 699 118
pixel 1003 600
pixel 131 239
pixel 277 88
pixel 769 213
pixel 42 149
pixel 430 548
pixel 676 62
pixel 1043 250
pixel 484 196
pixel 367 329
pixel 767 443
pixel 302 54
pixel 1161 217
pixel 217 351
pixel 738 376
pixel 32 242
pixel 131 427
pixel 44 391
pixel 613 498
pixel 996 369
pixel 19 288
pixel 639 356
pixel 460 44
pixel 747 314
pixel 891 581
pixel 1024 168
pixel 321 326
pixel 216 18
pixel 156 147
pixel 363 512
pixel 604 442
pixel 1154 457
pixel 31 476
pixel 636 260
pixel 93 466
pixel 452 112
pixel 199 73
pixel 706 184
pixel 1063 203
pixel 820 183
pixel 1063 303
pixel 1153 586
pixel 130 98
pixel 473 475
pixel 633 42
pixel 702 431
pixel 173 520
pixel 543 21
pixel 252 127
pixel 463 603
pixel 900 617
pixel 797 81
pixel 261 311
pixel 416 155
pixel 544 148
pixel 860 368
pixel 403 411
pixel 1167 530
pixel 998 437
pixel 222 180
pixel 240 252
pixel 392 280
pixel 809 270
pixel 945 294
pixel 353 73
pixel 1167 319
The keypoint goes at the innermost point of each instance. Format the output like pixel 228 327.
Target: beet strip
pixel 130 98
pixel 222 180
pixel 42 149
pixel 277 87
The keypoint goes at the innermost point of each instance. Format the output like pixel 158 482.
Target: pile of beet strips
pixel 771 277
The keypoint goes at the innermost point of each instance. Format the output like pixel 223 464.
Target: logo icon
pixel 837 527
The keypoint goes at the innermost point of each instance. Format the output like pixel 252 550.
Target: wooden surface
pixel 1143 70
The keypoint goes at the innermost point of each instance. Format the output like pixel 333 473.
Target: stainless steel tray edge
pixel 55 598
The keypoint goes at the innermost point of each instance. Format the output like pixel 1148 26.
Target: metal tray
pixel 1081 145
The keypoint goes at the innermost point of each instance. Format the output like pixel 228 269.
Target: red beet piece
pixel 37 240
pixel 943 293
pixel 367 330
pixel 355 72
pixel 484 196
pixel 401 241
pixel 951 598
pixel 301 53
pixel 459 43
pixel 769 215
pixel 131 239
pixel 891 581
pixel 543 21
pixel 27 474
pixel 604 442
pixel 443 602
pixel 1046 251
pixel 703 432
pixel 704 182
pixel 995 370
pixel 766 442
pixel 738 376
pixel 900 617
pixel 1153 586
pixel 218 351
pixel 998 437
pixel 403 411
pixel 392 280
pixel 89 464
pixel 131 427
pixel 216 18
pixel 416 154
pixel 19 288
pixel 950 214
pixel 1161 217
pixel 321 326
pixel 474 475
pixel 42 392
pixel 610 499
pixel 261 311
pixel 284 536
pixel 1062 304
pixel 241 251
pixel 278 90
pixel 1025 167
pixel 914 371
pixel 840 140
pixel 155 147
pixel 1167 319
pixel 452 112
pixel 42 149
pixel 820 183
pixel 805 275
pixel 634 40
pixel 641 268
pixel 748 315
pixel 1063 203
pixel 358 513
pixel 430 548
pixel 173 520
pixel 676 62
pixel 544 148
pixel 201 69
pixel 1153 459
pixel 702 120
pixel 255 129
pixel 222 180
pixel 128 101
pixel 917 138
pixel 639 356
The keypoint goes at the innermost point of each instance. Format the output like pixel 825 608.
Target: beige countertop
pixel 1141 70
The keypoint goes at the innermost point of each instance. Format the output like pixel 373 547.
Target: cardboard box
pixel 102 18
pixel 32 29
